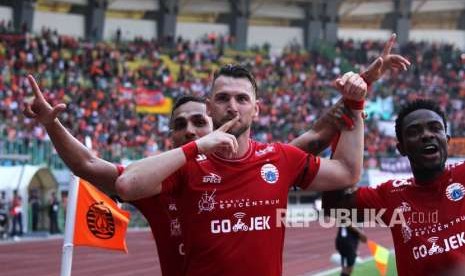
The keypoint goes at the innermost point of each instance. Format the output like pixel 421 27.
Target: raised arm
pixel 345 168
pixel 385 62
pixel 325 129
pixel 144 178
pixel 79 159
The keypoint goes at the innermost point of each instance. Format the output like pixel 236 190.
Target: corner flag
pixel 381 256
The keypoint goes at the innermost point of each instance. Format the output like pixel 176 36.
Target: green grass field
pixel 369 268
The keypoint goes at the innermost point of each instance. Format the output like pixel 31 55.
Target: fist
pixel 352 86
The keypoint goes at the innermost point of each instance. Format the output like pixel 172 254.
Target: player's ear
pixel 257 108
pixel 401 149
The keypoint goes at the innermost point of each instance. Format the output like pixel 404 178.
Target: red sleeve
pixel 169 185
pixel 304 166
pixel 367 197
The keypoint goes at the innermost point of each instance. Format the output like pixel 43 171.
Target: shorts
pixel 348 252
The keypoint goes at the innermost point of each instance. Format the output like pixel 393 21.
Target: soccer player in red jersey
pixel 189 121
pixel 426 212
pixel 230 188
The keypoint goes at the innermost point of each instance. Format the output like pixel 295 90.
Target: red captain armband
pixel 354 105
pixel 190 150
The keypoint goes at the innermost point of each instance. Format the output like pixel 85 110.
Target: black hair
pixel 236 71
pixel 416 105
pixel 185 99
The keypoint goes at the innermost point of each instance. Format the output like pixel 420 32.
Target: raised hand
pixel 219 140
pixel 352 86
pixel 385 62
pixel 40 109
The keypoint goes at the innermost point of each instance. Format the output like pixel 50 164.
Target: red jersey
pixel 230 209
pixel 162 214
pixel 431 239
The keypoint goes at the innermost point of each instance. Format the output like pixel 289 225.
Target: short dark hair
pixel 416 105
pixel 235 71
pixel 182 100
pixel 185 99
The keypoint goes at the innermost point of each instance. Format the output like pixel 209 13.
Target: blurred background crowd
pixel 99 85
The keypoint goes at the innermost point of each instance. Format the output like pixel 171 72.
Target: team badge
pixel 100 221
pixel 269 173
pixel 455 191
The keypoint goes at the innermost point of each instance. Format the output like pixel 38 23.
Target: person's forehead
pixel 421 116
pixel 225 84
pixel 189 109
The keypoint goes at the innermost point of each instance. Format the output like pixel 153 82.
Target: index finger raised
pixel 35 87
pixel 227 126
pixel 388 46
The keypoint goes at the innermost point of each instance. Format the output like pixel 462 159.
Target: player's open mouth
pixel 430 150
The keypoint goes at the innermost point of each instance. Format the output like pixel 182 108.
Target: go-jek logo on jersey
pixel 240 223
pixel 451 243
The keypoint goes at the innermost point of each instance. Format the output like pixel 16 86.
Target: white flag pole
pixel 67 254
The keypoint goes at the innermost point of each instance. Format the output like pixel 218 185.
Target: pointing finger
pixel 227 126
pixel 35 88
pixel 388 46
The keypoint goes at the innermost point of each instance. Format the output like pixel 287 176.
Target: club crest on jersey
pixel 269 173
pixel 455 191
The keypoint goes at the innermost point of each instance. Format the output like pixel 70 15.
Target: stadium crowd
pixel 98 84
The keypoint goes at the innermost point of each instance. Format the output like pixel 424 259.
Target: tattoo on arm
pixel 316 146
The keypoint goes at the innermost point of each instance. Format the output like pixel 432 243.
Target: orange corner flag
pixel 99 221
pixel 381 256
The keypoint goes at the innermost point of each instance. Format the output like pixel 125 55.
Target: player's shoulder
pixel 394 185
pixel 265 149
pixel 276 148
pixel 458 167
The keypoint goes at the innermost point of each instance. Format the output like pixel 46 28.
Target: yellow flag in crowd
pixel 381 256
pixel 99 221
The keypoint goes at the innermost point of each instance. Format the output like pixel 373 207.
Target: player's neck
pixel 426 177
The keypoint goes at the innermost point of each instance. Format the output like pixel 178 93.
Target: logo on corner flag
pixel 100 221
